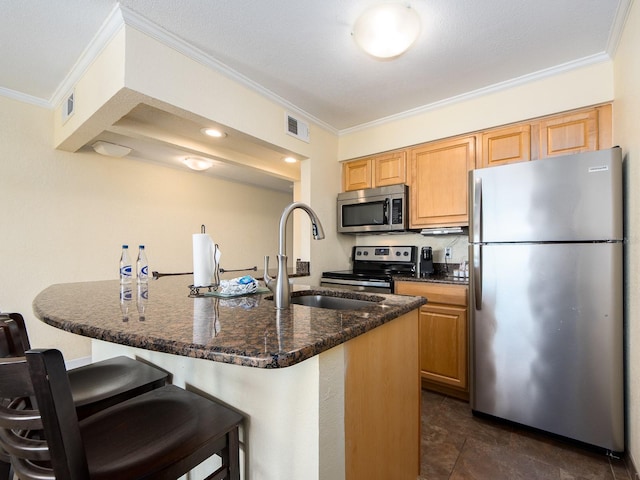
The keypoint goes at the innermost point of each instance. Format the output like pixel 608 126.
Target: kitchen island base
pixel 351 412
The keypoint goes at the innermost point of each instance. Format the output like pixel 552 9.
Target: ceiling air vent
pixel 68 106
pixel 296 128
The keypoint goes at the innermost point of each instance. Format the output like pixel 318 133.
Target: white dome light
pixel 213 132
pixel 198 164
pixel 111 149
pixel 387 30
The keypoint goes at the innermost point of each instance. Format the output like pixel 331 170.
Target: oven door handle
pixel 357 283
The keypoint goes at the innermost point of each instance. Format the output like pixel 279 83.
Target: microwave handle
pixel 385 212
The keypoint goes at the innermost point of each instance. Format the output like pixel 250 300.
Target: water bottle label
pixel 126 295
pixel 126 271
pixel 143 292
pixel 144 270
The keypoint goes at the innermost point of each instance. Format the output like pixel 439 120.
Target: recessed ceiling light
pixel 213 132
pixel 290 159
pixel 198 164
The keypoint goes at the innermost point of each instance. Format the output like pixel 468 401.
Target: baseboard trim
pixel 631 468
pixel 77 362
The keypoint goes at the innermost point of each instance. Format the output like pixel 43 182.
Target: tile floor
pixel 456 446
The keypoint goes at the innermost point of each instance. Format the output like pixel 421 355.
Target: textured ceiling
pixel 302 50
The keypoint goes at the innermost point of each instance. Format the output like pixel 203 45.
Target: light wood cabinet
pixel 581 131
pixel 356 175
pixel 375 171
pixel 437 172
pixel 568 134
pixel 438 182
pixel 444 337
pixel 505 145
pixel 390 169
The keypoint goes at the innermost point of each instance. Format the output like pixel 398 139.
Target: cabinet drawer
pixel 434 292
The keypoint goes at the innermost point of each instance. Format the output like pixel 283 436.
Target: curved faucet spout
pixel 280 285
pixel 316 227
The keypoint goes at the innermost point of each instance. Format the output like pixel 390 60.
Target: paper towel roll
pixel 203 261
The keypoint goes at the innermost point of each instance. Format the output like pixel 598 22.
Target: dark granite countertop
pixel 245 330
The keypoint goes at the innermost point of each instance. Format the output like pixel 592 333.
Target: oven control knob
pixel 366 253
pixel 406 254
pixel 358 253
pixel 397 254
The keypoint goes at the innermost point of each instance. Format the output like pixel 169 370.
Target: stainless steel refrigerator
pixel 546 295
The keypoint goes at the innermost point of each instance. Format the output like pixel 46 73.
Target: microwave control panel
pixel 396 211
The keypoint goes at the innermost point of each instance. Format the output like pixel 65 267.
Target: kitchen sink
pixel 334 303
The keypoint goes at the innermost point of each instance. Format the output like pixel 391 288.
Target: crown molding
pixel 121 16
pixel 109 28
pixel 140 23
pixel 497 87
pixel 622 13
pixel 24 98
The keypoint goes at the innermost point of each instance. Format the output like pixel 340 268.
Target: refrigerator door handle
pixel 476 212
pixel 477 276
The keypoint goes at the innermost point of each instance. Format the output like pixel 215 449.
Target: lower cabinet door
pixel 443 345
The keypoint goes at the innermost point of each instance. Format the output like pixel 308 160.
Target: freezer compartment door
pixel 547 338
pixel 571 198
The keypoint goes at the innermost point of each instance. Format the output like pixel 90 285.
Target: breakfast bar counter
pixel 326 394
pixel 246 330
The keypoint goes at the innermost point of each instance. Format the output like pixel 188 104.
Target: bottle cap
pixel 141 246
pixel 125 246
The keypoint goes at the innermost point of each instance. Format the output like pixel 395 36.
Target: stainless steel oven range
pixel 374 268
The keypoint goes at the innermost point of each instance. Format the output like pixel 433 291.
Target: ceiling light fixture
pixel 213 132
pixel 387 30
pixel 198 164
pixel 290 160
pixel 110 149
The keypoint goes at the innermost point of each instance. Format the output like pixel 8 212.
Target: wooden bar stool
pixel 161 434
pixel 94 387
pixel 98 385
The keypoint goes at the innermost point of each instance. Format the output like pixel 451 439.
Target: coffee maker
pixel 426 262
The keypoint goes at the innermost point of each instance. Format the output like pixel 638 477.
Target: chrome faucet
pixel 280 285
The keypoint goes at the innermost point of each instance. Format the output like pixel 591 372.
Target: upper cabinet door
pixel 506 145
pixel 438 182
pixel 356 175
pixel 566 134
pixel 389 169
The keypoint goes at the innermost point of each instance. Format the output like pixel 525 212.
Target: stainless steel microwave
pixel 374 210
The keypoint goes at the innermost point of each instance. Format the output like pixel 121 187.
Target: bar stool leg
pixel 234 457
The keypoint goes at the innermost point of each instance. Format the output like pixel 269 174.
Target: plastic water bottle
pixel 142 266
pixel 143 298
pixel 125 266
pixel 126 295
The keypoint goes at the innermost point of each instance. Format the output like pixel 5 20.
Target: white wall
pixel 80 206
pixel 626 121
pixel 588 85
pixel 65 215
